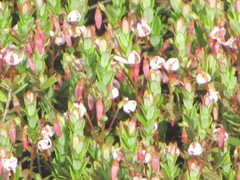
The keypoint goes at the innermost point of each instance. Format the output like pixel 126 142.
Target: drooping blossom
pixel 133 58
pixel 221 136
pixel 74 17
pixel 155 161
pixel 13 58
pixel 172 64
pixel 156 62
pixel 48 131
pixel 195 149
pixel 57 127
pixel 172 149
pixel 81 108
pixel 143 30
pixel 218 34
pixel 210 97
pixel 146 68
pixel 114 92
pixel 60 40
pixel 10 164
pixel 44 144
pixel 203 77
pixel 117 154
pixel 129 105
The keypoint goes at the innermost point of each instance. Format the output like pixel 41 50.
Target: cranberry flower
pixel 172 64
pixel 10 164
pixel 143 30
pixel 156 62
pixel 195 149
pixel 74 17
pixel 203 77
pixel 133 58
pixel 129 106
pixel 13 58
pixel 81 108
pixel 48 131
pixel 44 144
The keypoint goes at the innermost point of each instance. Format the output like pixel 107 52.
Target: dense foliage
pixel 121 89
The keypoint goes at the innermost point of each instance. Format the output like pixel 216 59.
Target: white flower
pixel 12 58
pixel 195 149
pixel 44 144
pixel 172 149
pixel 117 154
pixel 60 40
pixel 129 106
pixel 47 131
pixel 10 164
pixel 202 77
pixel 147 156
pixel 231 42
pixel 156 62
pixel 115 92
pixel 74 16
pixel 81 108
pixel 143 30
pixel 133 58
pixel 171 64
pixel 213 95
pixel 218 34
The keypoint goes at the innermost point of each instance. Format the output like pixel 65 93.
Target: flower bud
pixel 90 100
pixel 146 68
pixel 67 73
pixel 79 89
pixel 136 69
pixel 184 136
pixel 114 169
pixel 99 108
pixel 155 161
pixel 12 132
pixel 24 140
pixel 57 127
pixel 98 18
pixel 31 64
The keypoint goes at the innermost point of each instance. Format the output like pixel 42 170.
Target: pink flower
pixel 57 127
pixel 146 68
pixel 211 97
pixel 195 149
pixel 117 154
pixel 218 34
pixel 220 135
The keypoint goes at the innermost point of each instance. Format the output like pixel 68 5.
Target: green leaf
pixel 107 78
pixel 105 59
pixel 221 160
pixel 148 14
pixel 155 40
pixel 156 26
pixel 210 176
pixel 234 141
pixel 20 88
pixel 3 97
pixel 49 82
pixel 150 113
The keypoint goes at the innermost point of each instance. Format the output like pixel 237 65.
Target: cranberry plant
pixel 119 89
